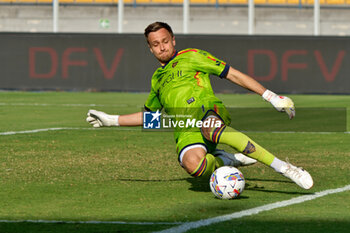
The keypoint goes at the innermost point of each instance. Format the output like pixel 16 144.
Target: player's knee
pixel 191 165
pixel 192 159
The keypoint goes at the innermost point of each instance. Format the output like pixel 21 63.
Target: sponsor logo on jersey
pixel 174 64
pixel 191 100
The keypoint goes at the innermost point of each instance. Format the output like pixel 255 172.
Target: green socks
pixel 237 140
pixel 207 166
pixel 242 143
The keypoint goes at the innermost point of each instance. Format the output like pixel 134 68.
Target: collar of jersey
pixel 175 54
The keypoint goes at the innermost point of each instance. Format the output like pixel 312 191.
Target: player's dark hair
pixel 153 27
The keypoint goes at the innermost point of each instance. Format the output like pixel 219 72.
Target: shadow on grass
pixel 278 225
pixel 77 228
pixel 270 180
pixel 202 185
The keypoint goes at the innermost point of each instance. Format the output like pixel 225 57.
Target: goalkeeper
pixel 182 82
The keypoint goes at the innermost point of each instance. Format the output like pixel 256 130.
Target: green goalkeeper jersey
pixel 183 83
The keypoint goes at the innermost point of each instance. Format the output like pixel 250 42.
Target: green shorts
pixel 190 138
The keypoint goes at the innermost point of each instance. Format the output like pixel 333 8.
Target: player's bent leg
pixel 192 158
pixel 237 140
pixel 199 163
pixel 242 143
pixel 228 159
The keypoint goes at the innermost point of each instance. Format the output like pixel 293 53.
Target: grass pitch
pixel 125 175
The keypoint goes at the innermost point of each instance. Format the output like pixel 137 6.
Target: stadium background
pixel 88 53
pixel 58 174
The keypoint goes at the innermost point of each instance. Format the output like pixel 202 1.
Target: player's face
pixel 162 45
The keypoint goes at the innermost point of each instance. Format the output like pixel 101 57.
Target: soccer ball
pixel 227 182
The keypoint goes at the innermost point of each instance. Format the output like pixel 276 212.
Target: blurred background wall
pixel 89 46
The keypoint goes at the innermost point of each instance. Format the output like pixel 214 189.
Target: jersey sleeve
pixel 207 63
pixel 152 102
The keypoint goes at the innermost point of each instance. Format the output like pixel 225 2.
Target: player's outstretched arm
pixel 99 119
pixel 280 103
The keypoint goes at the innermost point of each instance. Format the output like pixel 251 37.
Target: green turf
pixel 124 174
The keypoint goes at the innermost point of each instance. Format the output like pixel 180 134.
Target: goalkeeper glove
pixel 280 103
pixel 99 119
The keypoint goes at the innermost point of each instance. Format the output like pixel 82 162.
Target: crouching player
pixel 182 82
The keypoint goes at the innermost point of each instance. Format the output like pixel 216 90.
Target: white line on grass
pixel 57 129
pixel 186 226
pixel 297 200
pixel 183 227
pixel 90 222
pixel 32 131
